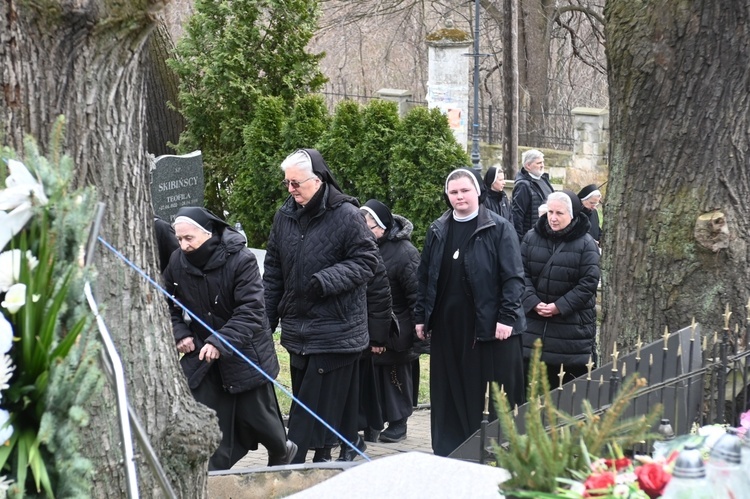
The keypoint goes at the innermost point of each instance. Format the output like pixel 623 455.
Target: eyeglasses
pixel 373 227
pixel 294 183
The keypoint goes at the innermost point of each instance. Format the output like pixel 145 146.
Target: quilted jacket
pixel 337 249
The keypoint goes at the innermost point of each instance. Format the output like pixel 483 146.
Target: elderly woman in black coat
pixel 561 270
pixel 319 259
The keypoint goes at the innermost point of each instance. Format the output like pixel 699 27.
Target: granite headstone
pixel 177 181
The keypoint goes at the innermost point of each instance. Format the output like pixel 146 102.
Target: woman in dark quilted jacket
pixel 561 270
pixel 393 368
pixel 320 257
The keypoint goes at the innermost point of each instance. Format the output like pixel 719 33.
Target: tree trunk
pixel 165 124
pixel 510 88
pixel 533 71
pixel 85 60
pixel 680 116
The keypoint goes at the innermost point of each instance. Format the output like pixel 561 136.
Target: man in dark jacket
pixel 529 192
pixel 320 257
pixel 216 277
pixel 469 301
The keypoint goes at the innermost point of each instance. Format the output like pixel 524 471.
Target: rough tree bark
pixel 680 115
pixel 85 60
pixel 165 124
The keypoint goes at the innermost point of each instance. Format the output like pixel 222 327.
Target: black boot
pixel 286 458
pixel 348 454
pixel 395 432
pixel 371 434
pixel 322 455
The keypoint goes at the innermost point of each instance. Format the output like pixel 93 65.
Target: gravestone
pixel 176 181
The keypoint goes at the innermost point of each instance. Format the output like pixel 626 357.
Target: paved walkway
pixel 417 439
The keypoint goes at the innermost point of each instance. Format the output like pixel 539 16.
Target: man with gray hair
pixel 529 192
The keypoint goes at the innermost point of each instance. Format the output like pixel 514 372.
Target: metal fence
pixel 696 380
pixel 542 130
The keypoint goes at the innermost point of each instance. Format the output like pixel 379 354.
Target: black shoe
pixel 395 432
pixel 322 455
pixel 348 454
pixel 371 435
pixel 291 451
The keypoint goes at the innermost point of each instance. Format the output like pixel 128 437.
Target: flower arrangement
pixel 554 453
pixel 48 362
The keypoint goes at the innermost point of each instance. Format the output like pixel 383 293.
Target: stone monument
pixel 448 78
pixel 176 181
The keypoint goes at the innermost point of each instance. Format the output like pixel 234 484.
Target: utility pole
pixel 476 161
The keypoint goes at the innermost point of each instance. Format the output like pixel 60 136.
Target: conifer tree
pixel 232 53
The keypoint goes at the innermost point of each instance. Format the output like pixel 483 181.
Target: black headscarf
pixel 202 217
pixel 209 222
pixel 320 168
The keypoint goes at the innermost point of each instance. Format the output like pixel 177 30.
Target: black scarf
pixel 200 257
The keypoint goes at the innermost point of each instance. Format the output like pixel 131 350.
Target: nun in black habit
pixel 469 303
pixel 319 259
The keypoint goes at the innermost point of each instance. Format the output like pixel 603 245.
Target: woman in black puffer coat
pixel 393 369
pixel 561 267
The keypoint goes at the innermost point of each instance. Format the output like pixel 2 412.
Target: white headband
pixel 473 177
pixel 188 220
pixel 593 193
pixel 374 216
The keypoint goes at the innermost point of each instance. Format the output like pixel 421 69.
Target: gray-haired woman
pixel 561 271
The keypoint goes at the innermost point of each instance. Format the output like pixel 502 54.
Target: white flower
pixel 6 371
pixel 22 187
pixel 5 483
pixel 12 223
pixel 6 429
pixel 15 298
pixel 17 201
pixel 10 267
pixel 6 334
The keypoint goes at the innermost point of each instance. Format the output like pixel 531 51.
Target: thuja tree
pixel 339 142
pixel 256 190
pixel 424 153
pixel 232 53
pixel 306 124
pixel 373 153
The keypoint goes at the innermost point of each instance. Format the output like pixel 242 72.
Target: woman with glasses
pixel 393 364
pixel 319 259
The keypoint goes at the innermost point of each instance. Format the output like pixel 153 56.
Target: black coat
pixel 570 282
pixel 499 203
pixel 379 309
pixel 595 230
pixel 528 195
pixel 166 242
pixel 401 260
pixel 493 267
pixel 337 249
pixel 227 294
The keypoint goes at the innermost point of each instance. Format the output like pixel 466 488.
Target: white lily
pixel 6 372
pixel 17 201
pixel 10 267
pixel 21 187
pixel 15 298
pixel 6 334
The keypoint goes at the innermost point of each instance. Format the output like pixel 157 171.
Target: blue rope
pixel 230 346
